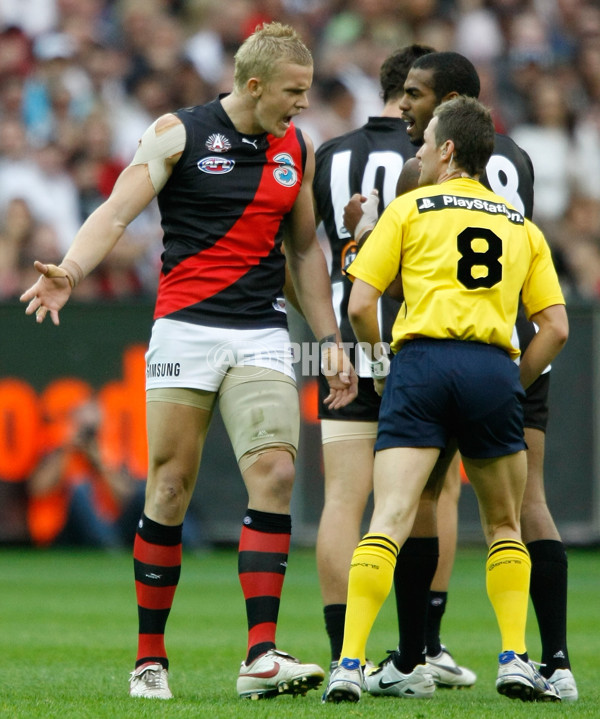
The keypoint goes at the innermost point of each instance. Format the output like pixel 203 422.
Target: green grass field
pixel 68 625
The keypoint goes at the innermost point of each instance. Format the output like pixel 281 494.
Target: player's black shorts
pixel 535 404
pixel 365 408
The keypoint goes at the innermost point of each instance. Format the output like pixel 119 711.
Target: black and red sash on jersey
pixel 252 240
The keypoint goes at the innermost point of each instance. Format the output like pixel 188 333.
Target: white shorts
pixel 181 354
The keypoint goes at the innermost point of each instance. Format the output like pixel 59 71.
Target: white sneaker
pixel 447 673
pixel 151 681
pixel 386 680
pixel 368 666
pixel 276 673
pixel 346 682
pixel 564 683
pixel 521 680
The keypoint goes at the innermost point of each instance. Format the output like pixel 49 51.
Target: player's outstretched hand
pixel 340 374
pixel 49 293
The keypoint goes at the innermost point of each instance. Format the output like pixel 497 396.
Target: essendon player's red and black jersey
pixel 222 211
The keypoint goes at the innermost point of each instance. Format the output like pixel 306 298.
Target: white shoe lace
pixel 154 679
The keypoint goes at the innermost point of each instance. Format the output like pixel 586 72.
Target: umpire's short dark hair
pixel 469 125
pixel 452 72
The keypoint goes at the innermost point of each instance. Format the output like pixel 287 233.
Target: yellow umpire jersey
pixel 465 256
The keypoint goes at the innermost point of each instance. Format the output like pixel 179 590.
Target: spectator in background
pixel 576 243
pixel 150 97
pixel 15 53
pixel 31 16
pixel 61 61
pixel 40 177
pixel 16 229
pixel 57 78
pixel 547 137
pixel 77 498
pixel 335 113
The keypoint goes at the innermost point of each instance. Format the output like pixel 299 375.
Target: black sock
pixel 548 590
pixel 435 611
pixel 335 616
pixel 416 565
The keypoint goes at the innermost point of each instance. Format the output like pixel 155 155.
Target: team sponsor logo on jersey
pixel 286 174
pixel 444 202
pixel 216 165
pixel 163 369
pixel 218 143
pixel 279 304
pixel 426 204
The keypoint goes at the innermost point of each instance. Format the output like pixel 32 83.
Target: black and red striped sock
pixel 262 561
pixel 157 566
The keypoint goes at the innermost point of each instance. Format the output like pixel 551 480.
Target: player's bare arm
pixel 409 177
pixel 548 342
pixel 362 313
pixel 308 270
pixel 353 215
pixel 158 151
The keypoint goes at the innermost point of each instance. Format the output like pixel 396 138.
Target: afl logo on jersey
pixel 286 174
pixel 216 165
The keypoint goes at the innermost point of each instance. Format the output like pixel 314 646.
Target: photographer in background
pixel 76 498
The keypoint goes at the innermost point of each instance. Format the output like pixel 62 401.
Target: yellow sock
pixel 508 570
pixel 370 581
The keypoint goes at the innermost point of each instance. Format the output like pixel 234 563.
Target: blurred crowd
pixel 80 80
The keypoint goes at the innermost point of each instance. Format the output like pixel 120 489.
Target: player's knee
pixel 500 525
pixel 280 470
pixel 167 495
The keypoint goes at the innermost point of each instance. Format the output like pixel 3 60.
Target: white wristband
pixel 380 368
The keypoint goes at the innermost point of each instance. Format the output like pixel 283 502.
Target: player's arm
pixel 289 290
pixel 408 180
pixel 354 211
pixel 409 177
pixel 362 313
pixel 546 344
pixel 308 270
pixel 158 151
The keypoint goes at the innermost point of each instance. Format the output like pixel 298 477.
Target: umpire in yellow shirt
pixel 465 257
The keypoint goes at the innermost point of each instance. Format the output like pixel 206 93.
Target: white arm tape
pixel 156 148
pixel 370 214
